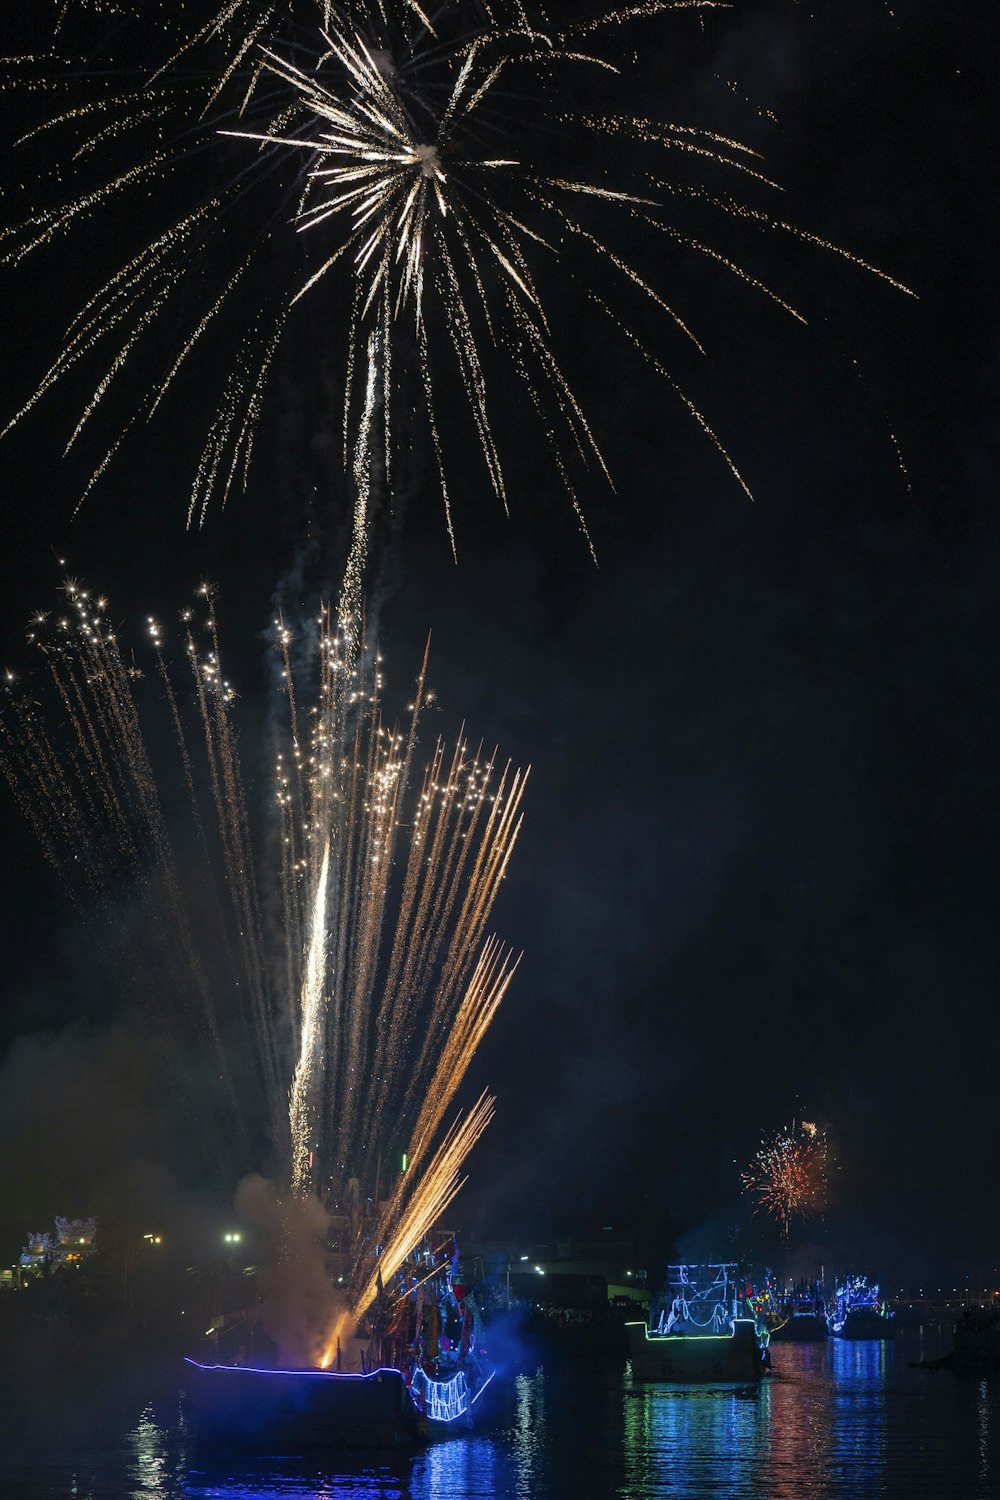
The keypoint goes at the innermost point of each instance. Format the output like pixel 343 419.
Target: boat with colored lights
pixel 414 1369
pixel 696 1333
pixel 860 1311
pixel 276 1410
pixel 802 1314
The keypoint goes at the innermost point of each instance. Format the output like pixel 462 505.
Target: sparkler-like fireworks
pixel 788 1175
pixel 364 1014
pixel 417 168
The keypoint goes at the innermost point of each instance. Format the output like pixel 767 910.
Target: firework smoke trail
pixel 787 1176
pixel 354 786
pixel 351 787
pixel 303 1106
pixel 427 167
pixel 360 1029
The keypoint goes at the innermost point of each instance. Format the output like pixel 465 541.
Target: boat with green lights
pixel 697 1333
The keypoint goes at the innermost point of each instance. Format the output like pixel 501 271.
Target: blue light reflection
pixel 845 1420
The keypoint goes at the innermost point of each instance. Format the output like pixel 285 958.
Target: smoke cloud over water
pixel 299 1305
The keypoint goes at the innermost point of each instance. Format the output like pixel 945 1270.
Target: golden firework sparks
pixel 428 166
pixel 360 1024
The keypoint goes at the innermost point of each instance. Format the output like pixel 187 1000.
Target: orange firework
pixel 787 1176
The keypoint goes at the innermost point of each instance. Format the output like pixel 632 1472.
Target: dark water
pixel 838 1419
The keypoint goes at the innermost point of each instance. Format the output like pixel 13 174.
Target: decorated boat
pixel 698 1332
pixel 860 1311
pixel 416 1369
pixel 287 1410
pixel 802 1315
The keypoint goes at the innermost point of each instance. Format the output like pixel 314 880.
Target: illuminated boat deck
pixel 443 1403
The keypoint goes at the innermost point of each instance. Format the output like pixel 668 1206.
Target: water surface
pixel 837 1419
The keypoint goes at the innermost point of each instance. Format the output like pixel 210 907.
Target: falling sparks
pixel 303 1107
pixel 407 1218
pixel 416 173
pixel 788 1176
pixel 359 1024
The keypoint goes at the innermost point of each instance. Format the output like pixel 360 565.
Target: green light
pixel 406 1161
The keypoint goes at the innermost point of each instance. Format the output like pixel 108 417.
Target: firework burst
pixel 411 173
pixel 788 1176
pixel 343 994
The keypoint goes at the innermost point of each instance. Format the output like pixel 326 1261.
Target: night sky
pixel 758 874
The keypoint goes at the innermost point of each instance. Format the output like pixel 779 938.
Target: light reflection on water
pixel 676 1438
pixel 983 1426
pixel 840 1420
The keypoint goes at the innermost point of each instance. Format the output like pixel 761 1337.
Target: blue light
pixel 442 1406
pixel 444 1400
pixel 306 1374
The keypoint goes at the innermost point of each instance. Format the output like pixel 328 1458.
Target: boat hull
pixel 282 1411
pixel 801 1328
pixel 862 1323
pixel 696 1359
